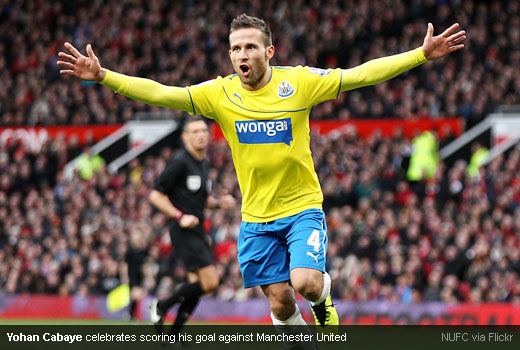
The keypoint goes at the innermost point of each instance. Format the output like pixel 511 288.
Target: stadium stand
pixel 451 238
pixel 182 43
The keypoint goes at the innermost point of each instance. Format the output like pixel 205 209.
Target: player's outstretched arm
pixel 144 90
pixel 382 69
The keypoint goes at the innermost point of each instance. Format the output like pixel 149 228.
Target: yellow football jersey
pixel 268 129
pixel 268 133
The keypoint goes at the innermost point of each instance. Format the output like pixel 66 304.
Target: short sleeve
pixel 321 84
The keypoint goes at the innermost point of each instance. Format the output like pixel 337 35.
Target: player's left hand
pixel 435 47
pixel 227 201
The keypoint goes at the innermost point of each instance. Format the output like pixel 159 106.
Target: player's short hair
pixel 245 21
pixel 190 120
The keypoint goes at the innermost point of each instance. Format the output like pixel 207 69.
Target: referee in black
pixel 182 192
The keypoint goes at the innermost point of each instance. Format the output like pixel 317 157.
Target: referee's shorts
pixel 191 246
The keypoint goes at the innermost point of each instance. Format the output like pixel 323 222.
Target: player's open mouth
pixel 245 69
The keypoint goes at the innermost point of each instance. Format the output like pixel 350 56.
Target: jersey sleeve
pixel 204 97
pixel 149 91
pixel 321 84
pixel 169 176
pixel 381 69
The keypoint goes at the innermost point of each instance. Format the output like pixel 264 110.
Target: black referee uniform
pixel 185 181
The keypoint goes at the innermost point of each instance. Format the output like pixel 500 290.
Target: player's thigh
pixel 307 241
pixel 281 291
pixel 262 256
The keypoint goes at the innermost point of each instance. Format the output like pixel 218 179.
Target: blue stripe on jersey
pixel 340 79
pixel 191 99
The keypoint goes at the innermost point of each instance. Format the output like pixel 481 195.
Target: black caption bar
pixel 230 337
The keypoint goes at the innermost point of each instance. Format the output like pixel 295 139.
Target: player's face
pixel 250 57
pixel 196 135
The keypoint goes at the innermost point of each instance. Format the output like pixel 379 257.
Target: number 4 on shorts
pixel 314 240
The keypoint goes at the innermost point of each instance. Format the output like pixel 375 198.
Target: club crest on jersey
pixel 264 131
pixel 193 182
pixel 285 89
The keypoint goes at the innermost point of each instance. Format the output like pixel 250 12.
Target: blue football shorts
pixel 267 252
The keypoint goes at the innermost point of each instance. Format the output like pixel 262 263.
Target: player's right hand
pixel 188 221
pixel 83 67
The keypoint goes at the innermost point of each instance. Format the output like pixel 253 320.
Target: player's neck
pixel 263 82
pixel 195 153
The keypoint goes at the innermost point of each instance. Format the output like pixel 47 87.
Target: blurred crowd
pixel 451 238
pixel 186 42
pixel 88 236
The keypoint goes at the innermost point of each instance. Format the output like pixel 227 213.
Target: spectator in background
pixel 135 258
pixel 424 161
pixel 478 156
pixel 89 163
